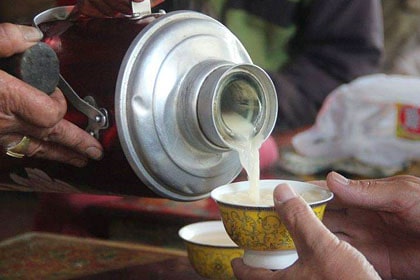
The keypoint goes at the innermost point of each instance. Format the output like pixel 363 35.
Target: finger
pixel 8 141
pixel 121 6
pixel 32 106
pixel 17 38
pixel 242 271
pixel 320 183
pixel 337 223
pixel 388 194
pixel 46 150
pixel 41 116
pixel 92 8
pixel 307 231
pixel 55 152
pixel 68 134
pixel 101 8
pixel 344 237
pixel 154 2
pixel 336 204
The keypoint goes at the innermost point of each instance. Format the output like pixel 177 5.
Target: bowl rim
pixel 216 225
pixel 266 184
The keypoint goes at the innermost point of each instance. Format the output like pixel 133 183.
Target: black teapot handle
pixel 38 66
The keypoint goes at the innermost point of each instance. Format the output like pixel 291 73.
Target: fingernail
pixel 339 178
pixel 94 153
pixel 31 34
pixel 283 193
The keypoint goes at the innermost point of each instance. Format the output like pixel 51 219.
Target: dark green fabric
pixel 264 33
pixel 266 42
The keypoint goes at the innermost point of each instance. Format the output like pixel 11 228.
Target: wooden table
pixel 51 256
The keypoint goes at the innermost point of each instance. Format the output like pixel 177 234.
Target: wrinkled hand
pixel 381 218
pixel 108 8
pixel 26 111
pixel 321 254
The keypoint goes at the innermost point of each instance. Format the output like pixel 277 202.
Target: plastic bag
pixel 374 120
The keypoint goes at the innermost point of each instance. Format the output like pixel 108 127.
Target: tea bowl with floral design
pixel 210 250
pixel 256 226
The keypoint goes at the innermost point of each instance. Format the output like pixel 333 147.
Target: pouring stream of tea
pixel 247 145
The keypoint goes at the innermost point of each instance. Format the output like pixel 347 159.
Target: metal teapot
pixel 155 89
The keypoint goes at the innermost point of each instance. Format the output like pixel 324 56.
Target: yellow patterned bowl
pixel 256 227
pixel 210 250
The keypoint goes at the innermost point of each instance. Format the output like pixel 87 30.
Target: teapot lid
pixel 147 105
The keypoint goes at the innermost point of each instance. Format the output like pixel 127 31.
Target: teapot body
pixel 160 83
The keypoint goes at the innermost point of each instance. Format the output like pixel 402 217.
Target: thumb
pixel 306 230
pixel 17 38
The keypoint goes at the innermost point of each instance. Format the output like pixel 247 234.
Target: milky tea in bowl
pixel 256 226
pixel 266 197
pixel 238 193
